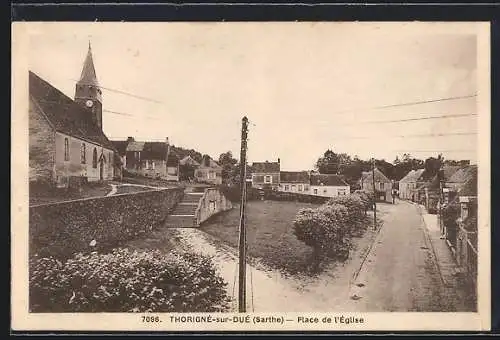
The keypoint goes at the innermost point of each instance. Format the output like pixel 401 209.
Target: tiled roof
pixel 135 146
pixel 412 176
pixel 208 162
pixel 449 170
pixel 64 113
pixel 294 177
pixel 265 167
pixel 464 174
pixel 154 150
pixel 379 176
pixel 189 161
pixel 470 186
pixel 328 180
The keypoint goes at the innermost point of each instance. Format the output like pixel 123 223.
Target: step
pixel 190 199
pixel 180 221
pixel 185 210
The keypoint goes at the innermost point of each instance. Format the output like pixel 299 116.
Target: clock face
pixel 89 103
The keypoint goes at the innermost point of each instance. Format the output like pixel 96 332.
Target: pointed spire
pixel 88 76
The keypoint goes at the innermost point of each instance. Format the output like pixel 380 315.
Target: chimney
pixel 278 160
pixel 130 139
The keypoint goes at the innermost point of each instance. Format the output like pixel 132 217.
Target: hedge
pixel 126 281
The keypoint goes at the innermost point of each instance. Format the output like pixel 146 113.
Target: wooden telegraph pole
pixel 374 196
pixel 242 236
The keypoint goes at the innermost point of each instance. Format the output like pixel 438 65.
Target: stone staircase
pixel 183 214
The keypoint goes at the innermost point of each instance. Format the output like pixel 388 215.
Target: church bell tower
pixel 88 92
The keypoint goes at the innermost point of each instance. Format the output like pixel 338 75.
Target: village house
pixel 187 167
pixel 427 191
pixel 328 185
pixel 266 175
pixel 149 159
pixel 295 181
pixel 209 171
pixel 67 143
pixel 383 185
pixel 409 183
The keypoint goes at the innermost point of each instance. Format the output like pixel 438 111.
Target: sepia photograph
pixel 289 171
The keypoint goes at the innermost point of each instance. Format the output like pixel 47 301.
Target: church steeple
pixel 88 76
pixel 88 92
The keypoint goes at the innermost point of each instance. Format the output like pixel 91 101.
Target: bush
pixel 126 281
pixel 355 223
pixel 323 229
pixel 367 198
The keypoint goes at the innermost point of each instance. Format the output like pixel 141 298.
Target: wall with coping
pixel 211 203
pixel 64 228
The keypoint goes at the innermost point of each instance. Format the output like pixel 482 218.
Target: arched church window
pixel 66 149
pixel 94 159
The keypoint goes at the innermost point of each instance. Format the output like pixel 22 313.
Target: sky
pixel 305 87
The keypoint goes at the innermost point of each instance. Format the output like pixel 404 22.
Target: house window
pixel 306 187
pixel 94 159
pixel 147 164
pixel 83 154
pixel 315 191
pixel 341 192
pixel 300 187
pixel 293 187
pixel 66 149
pixel 268 179
pixel 325 191
pixel 381 185
pixel 286 187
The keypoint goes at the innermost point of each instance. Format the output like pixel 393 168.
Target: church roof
pixel 64 113
pixel 88 76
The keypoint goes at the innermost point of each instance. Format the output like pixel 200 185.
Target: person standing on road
pixel 394 196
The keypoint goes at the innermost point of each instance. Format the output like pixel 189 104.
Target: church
pixel 67 143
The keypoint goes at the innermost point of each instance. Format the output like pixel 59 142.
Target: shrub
pixel 125 281
pixel 323 229
pixel 355 222
pixel 366 197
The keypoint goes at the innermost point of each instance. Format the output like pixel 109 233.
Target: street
pixel 400 273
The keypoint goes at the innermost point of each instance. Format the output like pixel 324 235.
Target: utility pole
pixel 374 196
pixel 242 236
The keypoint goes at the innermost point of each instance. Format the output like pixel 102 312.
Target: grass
pixel 42 195
pixel 270 236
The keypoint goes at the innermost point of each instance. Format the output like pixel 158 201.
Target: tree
pixel 432 166
pixel 228 164
pixel 404 165
pixel 332 163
